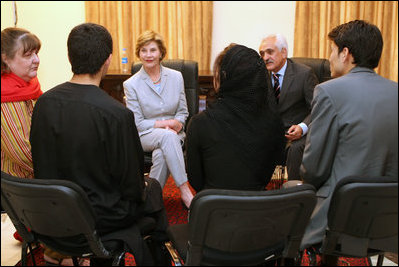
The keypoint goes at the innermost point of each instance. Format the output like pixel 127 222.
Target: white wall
pixel 51 22
pixel 7 18
pixel 248 22
pixel 243 22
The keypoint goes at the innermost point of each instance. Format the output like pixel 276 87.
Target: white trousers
pixel 167 155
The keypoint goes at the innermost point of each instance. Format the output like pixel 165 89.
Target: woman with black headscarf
pixel 235 143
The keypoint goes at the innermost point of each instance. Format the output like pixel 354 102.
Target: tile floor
pixel 11 248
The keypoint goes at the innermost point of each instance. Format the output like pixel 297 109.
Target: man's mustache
pixel 269 61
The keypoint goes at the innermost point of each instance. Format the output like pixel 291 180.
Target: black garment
pixel 80 133
pixel 294 158
pixel 235 143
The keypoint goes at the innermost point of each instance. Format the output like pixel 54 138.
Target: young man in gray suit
pixel 354 120
pixel 293 85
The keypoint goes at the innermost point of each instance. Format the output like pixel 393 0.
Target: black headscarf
pixel 243 111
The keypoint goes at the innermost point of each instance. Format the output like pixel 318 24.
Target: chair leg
pixel 296 261
pixel 119 260
pixel 75 261
pixel 24 253
pixel 173 254
pixel 32 254
pixel 329 260
pixel 293 261
pixel 380 259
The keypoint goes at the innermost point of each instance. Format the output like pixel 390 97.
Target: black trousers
pixel 294 158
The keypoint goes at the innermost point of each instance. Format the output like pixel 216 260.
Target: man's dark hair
pixel 89 46
pixel 363 40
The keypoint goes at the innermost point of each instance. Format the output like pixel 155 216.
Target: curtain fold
pixel 315 19
pixel 186 27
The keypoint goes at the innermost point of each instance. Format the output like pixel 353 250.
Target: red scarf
pixel 14 88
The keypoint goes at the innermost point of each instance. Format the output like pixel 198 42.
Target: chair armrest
pixel 292 183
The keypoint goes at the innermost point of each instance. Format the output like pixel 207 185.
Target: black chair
pixel 232 227
pixel 56 211
pixel 320 66
pixel 363 218
pixel 189 71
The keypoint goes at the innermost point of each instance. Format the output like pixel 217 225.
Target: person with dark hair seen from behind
pixel 81 134
pixel 20 89
pixel 156 96
pixel 354 122
pixel 293 85
pixel 236 141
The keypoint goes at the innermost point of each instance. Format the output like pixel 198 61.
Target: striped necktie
pixel 276 86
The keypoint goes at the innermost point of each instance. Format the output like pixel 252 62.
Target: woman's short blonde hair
pixel 150 36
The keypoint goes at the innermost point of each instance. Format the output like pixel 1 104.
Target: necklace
pixel 160 75
pixel 158 79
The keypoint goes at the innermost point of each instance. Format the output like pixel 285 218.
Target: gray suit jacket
pixel 353 131
pixel 149 106
pixel 296 94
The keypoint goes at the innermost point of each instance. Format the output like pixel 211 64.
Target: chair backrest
pixel 26 235
pixel 232 227
pixel 363 217
pixel 320 66
pixel 54 210
pixel 189 71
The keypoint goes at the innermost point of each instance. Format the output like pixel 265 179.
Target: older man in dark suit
pixel 293 85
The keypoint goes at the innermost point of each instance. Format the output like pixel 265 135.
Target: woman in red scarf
pixel 19 91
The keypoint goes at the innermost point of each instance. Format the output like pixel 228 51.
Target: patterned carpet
pixel 178 215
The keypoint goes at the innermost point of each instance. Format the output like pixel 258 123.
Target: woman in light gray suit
pixel 156 96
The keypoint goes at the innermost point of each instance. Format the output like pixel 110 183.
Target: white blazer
pixel 149 106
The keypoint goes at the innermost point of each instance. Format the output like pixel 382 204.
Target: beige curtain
pixel 186 27
pixel 315 19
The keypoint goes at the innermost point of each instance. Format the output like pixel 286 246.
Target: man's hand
pixel 294 133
